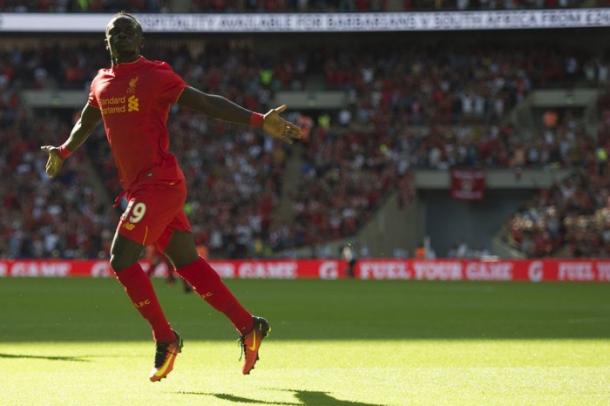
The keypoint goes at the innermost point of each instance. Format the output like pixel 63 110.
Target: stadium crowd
pixel 352 159
pixel 571 218
pixel 272 6
pixel 392 88
pixel 386 131
pixel 39 217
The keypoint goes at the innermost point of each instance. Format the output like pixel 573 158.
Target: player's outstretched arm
pixel 83 128
pixel 219 107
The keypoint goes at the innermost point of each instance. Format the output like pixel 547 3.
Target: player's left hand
pixel 279 128
pixel 54 162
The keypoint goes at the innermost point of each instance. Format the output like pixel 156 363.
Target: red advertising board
pixel 543 270
pixel 264 269
pixel 572 270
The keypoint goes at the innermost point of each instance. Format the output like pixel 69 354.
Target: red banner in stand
pixel 543 270
pixel 467 184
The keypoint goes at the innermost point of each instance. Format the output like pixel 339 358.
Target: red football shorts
pixel 153 213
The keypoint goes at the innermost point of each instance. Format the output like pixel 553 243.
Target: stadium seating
pixel 571 218
pixel 40 218
pixel 407 109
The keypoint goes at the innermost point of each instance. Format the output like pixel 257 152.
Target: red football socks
pixel 208 284
pixel 142 295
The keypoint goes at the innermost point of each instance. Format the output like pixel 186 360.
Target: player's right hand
pixel 54 162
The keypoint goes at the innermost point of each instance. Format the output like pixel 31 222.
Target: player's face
pixel 123 38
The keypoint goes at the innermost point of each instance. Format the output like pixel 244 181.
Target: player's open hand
pixel 54 162
pixel 279 128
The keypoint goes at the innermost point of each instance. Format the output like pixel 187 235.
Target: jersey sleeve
pixel 171 84
pixel 92 100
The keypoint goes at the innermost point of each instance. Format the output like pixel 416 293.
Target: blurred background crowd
pixel 408 107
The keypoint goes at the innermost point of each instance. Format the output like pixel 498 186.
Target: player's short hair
pixel 130 16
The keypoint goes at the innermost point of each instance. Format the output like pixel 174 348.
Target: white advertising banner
pixel 312 22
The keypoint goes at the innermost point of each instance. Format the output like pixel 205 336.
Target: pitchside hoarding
pixel 316 22
pixel 271 269
pixel 544 270
pixel 503 270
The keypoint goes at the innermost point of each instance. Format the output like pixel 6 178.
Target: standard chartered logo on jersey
pixel 122 104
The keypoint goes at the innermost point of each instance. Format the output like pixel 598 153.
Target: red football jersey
pixel 135 99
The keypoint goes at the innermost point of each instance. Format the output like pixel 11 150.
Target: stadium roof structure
pixel 317 22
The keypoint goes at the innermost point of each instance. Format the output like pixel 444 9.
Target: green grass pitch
pixel 337 343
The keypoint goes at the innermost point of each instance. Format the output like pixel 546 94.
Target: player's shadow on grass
pixel 314 398
pixel 43 357
pixel 306 398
